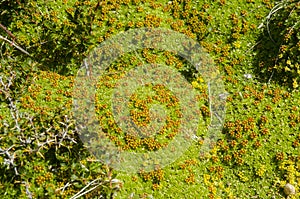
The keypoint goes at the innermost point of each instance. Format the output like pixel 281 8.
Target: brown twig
pixel 93 17
pixel 13 42
pixel 8 32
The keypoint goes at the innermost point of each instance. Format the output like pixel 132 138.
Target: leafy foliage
pixel 41 155
pixel 281 40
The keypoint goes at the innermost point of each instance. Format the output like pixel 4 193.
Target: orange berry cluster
pixel 217 170
pixel 296 142
pixel 140 115
pixel 152 21
pixel 238 134
pixel 47 87
pixel 280 156
pixel 191 178
pixel 156 176
pixel 188 163
pixel 43 178
pixel 235 129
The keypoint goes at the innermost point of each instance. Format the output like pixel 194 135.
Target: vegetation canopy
pixel 254 44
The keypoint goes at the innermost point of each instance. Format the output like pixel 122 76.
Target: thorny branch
pixel 35 139
pixel 9 161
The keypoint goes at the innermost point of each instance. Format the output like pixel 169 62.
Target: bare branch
pixel 15 45
pixel 81 193
pixel 7 31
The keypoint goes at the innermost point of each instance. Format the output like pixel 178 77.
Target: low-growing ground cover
pixel 254 44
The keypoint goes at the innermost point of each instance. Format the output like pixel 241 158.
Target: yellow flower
pixel 295 84
pixel 195 84
pixel 200 79
pixel 261 171
pixel 287 68
pixel 237 44
pixel 206 179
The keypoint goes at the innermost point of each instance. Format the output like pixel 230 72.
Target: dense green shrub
pixel 282 26
pixel 41 155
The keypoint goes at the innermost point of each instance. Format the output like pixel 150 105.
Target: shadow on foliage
pixel 65 60
pixel 8 10
pixel 275 47
pixel 56 46
pixel 64 49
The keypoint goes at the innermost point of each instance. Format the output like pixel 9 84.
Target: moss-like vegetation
pixel 253 43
